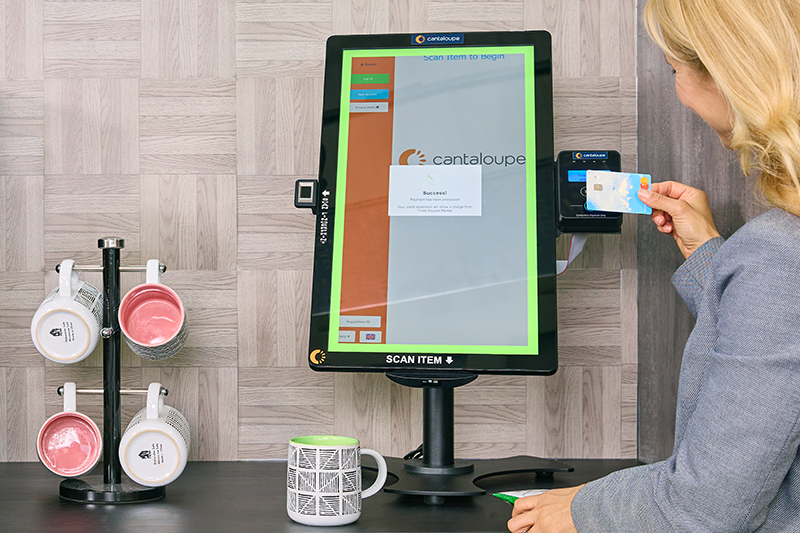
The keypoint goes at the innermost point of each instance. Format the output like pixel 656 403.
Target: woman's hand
pixel 544 513
pixel 681 211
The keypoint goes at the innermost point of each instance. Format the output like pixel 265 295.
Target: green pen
pixel 506 497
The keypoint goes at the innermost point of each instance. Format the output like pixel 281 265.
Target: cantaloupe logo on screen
pixel 412 156
pixel 317 357
pixel 420 39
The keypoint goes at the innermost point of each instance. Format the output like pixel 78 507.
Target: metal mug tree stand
pixel 111 487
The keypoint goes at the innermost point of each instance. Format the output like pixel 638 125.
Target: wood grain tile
pixel 599 34
pixel 601 411
pixel 535 416
pixel 93 126
pixel 582 355
pixel 260 50
pixel 4 410
pixel 275 252
pixel 299 113
pixel 627 38
pixel 209 147
pixel 274 307
pixel 442 11
pixel 255 126
pixel 216 433
pixel 20 296
pixel 21 210
pixel 188 38
pixel 188 221
pixel 255 342
pixel 22 46
pixel 25 412
pixel 564 413
pixel 629 309
pixel 260 441
pixel 408 16
pixel 91 39
pixel 628 423
pixel 22 127
pixel 360 16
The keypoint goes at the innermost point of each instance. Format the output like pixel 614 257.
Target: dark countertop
pixel 234 497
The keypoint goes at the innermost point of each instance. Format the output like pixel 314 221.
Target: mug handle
pixel 70 397
pixel 66 278
pixel 153 271
pixel 155 402
pixel 378 484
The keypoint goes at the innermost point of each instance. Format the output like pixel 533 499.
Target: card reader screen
pixel 578 176
pixel 435 241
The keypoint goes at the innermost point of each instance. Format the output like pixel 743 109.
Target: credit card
pixel 616 192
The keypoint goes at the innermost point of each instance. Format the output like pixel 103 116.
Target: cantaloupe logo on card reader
pixel 415 156
pixel 317 357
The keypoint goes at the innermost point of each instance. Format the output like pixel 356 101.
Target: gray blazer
pixel 735 465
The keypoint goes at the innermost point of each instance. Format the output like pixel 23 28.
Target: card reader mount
pixel 570 168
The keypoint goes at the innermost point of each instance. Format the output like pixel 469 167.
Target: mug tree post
pixel 112 410
pixel 111 487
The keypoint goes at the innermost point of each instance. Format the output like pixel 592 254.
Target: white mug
pixel 67 325
pixel 152 317
pixel 323 480
pixel 155 446
pixel 69 443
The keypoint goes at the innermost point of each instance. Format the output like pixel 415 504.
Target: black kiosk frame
pixel 433 472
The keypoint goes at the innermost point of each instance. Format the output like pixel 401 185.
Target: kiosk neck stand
pixel 438 474
pixel 111 487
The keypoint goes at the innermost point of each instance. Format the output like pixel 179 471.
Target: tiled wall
pixel 181 126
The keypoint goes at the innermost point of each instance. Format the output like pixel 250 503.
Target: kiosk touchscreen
pixel 435 241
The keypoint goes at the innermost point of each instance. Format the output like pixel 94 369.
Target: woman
pixel 735 465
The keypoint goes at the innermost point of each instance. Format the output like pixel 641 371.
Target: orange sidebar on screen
pixel 365 250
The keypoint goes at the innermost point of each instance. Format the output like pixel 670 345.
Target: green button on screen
pixel 369 78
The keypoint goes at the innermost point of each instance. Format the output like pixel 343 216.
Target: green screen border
pixel 341 172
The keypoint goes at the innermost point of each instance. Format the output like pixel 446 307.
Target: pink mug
pixel 69 442
pixel 152 317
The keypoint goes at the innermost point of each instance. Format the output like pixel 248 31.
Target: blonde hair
pixel 751 49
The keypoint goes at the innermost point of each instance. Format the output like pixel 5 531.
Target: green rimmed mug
pixel 323 480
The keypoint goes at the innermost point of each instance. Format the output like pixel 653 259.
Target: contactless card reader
pixel 573 217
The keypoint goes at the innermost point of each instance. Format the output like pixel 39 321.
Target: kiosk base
pixel 435 486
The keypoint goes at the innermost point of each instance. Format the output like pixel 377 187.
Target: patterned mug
pixel 67 325
pixel 155 446
pixel 69 442
pixel 152 317
pixel 323 481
